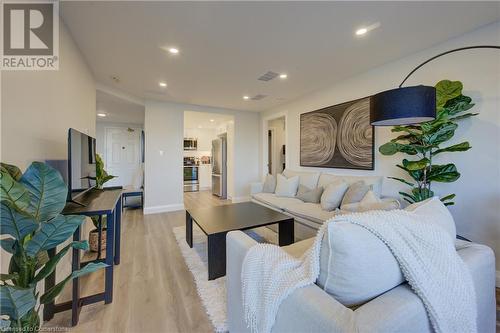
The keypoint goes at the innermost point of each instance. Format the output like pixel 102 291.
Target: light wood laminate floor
pixel 153 289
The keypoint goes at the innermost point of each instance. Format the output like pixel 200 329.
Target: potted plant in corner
pixel 101 178
pixel 424 141
pixel 31 223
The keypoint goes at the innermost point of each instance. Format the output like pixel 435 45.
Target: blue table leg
pixel 108 280
pixel 118 223
pixel 75 301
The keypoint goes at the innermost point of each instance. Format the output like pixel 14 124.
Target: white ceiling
pixel 118 110
pixel 194 119
pixel 225 46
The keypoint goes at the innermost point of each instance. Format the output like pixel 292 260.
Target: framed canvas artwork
pixel 338 136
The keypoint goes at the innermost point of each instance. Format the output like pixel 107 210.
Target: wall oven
pixel 191 180
pixel 190 144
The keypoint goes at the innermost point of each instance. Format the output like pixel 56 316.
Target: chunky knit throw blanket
pixel 424 251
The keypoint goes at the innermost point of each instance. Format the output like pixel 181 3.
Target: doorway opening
pixel 208 155
pixel 276 145
pixel 120 143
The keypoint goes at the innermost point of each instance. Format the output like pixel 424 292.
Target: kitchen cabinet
pixel 205 176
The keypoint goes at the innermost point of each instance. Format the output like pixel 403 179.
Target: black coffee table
pixel 216 222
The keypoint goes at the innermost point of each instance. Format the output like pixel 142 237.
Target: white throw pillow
pixel 269 184
pixel 306 178
pixel 371 202
pixel 333 194
pixel 435 207
pixel 286 187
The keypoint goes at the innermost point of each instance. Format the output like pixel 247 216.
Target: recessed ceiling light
pixel 162 84
pixel 361 31
pixel 283 76
pixel 173 50
pixel 211 120
pixel 102 115
pixel 246 97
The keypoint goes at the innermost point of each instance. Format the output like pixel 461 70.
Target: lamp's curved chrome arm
pixel 444 53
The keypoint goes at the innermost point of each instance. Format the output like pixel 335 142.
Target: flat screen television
pixel 81 164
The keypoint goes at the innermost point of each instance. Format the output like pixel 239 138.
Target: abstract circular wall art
pixel 317 140
pixel 338 136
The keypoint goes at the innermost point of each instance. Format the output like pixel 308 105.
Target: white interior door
pixel 123 155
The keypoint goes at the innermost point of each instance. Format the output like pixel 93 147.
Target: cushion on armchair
pixel 356 266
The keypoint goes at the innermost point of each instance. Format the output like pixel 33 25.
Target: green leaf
pixel 442 133
pixel 53 233
pixel 448 197
pixel 50 266
pixel 421 194
pixel 407 195
pixel 56 290
pixel 447 90
pixel 8 245
pixel 464 146
pixel 8 277
pixel 13 192
pixel 446 173
pixel 48 191
pixel 416 174
pixel 458 104
pixel 16 302
pixel 12 170
pixel 391 148
pixel 417 165
pixel 15 223
pixel 406 129
pixel 42 258
pixel 402 181
pixel 464 116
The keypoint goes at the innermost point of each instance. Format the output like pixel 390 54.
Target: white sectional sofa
pixel 308 216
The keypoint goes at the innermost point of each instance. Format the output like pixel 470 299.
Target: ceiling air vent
pixel 268 76
pixel 258 97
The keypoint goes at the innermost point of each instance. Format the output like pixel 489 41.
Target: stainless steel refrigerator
pixel 219 168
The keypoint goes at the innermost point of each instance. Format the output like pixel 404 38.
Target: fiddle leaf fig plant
pixel 426 140
pixel 31 223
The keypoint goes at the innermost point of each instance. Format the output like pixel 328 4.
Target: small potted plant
pixel 101 178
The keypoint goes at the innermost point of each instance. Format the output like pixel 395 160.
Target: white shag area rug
pixel 212 293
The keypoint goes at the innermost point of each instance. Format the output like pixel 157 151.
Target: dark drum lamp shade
pixel 403 106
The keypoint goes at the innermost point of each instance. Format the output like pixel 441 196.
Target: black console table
pixel 96 203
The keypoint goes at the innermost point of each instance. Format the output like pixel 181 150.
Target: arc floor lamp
pixel 409 105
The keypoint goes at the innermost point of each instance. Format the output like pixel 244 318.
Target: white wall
pixel 38 108
pixel 163 129
pixel 163 179
pixel 477 209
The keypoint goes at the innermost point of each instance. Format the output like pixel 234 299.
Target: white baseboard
pixel 240 199
pixel 163 209
pixel 497 280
